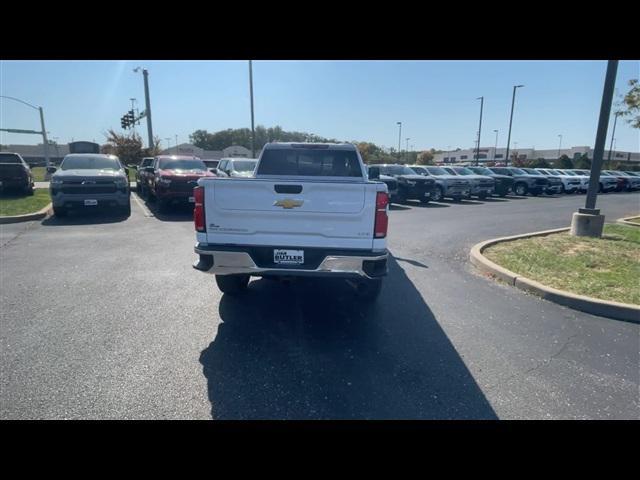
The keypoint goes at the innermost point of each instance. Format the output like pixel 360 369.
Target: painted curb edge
pixel 28 217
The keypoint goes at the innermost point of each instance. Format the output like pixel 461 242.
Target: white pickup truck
pixel 309 210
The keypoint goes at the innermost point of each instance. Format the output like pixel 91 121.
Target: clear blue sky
pixel 347 100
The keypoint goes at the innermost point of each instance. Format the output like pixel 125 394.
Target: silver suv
pixel 89 181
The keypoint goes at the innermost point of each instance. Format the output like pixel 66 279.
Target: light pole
pixel 496 147
pixel 407 149
pixel 399 136
pixel 168 139
pixel 559 146
pixel 133 109
pixel 147 111
pixel 253 133
pixel 44 130
pixel 176 144
pixel 613 134
pixel 479 130
pixel 513 101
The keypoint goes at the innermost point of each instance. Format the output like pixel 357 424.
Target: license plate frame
pixel 286 256
pixel 192 199
pixel 90 202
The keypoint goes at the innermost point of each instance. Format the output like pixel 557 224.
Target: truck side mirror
pixel 51 169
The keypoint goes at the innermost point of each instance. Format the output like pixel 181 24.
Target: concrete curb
pixel 39 215
pixel 625 221
pixel 604 308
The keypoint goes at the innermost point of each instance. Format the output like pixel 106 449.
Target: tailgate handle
pixel 287 188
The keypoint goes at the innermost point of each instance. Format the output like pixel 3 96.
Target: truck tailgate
pixel 289 213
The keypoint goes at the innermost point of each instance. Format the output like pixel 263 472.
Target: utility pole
pixel 495 149
pixel 253 132
pixel 587 221
pixel 479 130
pixel 44 139
pixel 613 134
pixel 399 136
pixel 133 109
pixel 168 139
pixel 407 149
pixel 147 100
pixel 176 144
pixel 513 101
pixel 559 146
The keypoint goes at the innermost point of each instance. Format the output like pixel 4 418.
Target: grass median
pixel 38 173
pixel 607 268
pixel 22 204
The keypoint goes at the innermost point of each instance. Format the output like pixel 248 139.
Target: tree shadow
pixel 308 350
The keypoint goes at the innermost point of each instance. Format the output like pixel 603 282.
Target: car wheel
pixel 402 197
pixel 60 211
pixel 563 190
pixel 424 200
pixel 600 188
pixel 369 290
pixel 482 195
pixel 436 195
pixel 520 189
pixel 232 284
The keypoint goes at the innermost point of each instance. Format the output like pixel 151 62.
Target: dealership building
pixel 491 154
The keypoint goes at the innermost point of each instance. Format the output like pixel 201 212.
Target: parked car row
pixel 457 183
pixel 15 173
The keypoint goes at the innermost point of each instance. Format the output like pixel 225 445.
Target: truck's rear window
pixel 9 158
pixel 307 162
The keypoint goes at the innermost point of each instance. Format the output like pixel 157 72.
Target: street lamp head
pixel 136 70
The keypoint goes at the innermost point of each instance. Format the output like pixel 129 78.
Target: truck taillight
pixel 382 220
pixel 198 209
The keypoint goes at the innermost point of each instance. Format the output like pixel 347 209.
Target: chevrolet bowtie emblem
pixel 288 203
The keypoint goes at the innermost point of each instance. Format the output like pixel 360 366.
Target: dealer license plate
pixel 288 257
pixel 89 203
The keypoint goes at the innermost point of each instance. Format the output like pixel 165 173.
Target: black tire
pixel 424 201
pixel 482 195
pixel 402 196
pixel 232 284
pixel 457 199
pixel 534 193
pixel 126 211
pixel 437 194
pixel 60 211
pixel 520 189
pixel 600 188
pixel 563 190
pixel 368 291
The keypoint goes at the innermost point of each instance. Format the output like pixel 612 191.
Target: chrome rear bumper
pixel 234 263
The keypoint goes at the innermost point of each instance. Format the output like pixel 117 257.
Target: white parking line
pixel 146 211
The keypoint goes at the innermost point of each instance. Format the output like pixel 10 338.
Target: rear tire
pixel 402 197
pixel 437 194
pixel 520 189
pixel 424 201
pixel 232 284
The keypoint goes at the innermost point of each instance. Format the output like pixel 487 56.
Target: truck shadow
pixel 172 213
pixel 309 351
pixel 80 217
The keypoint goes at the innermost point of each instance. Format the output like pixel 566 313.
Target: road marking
pixel 146 211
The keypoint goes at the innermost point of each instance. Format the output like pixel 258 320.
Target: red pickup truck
pixel 171 179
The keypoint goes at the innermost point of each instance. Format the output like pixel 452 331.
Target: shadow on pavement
pixel 308 351
pixel 85 217
pixel 395 206
pixel 431 205
pixel 172 213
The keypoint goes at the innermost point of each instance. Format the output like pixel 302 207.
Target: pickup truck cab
pixel 447 185
pixel 410 185
pixel 15 173
pixel 309 210
pixel 173 178
pixel 236 167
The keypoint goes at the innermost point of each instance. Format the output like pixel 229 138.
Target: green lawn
pixel 20 205
pixel 132 174
pixel 607 268
pixel 38 173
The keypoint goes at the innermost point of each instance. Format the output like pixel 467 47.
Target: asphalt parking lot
pixel 104 317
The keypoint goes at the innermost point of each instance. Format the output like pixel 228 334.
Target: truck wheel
pixel 402 197
pixel 520 189
pixel 232 284
pixel 482 195
pixel 424 200
pixel 369 290
pixel 60 211
pixel 436 195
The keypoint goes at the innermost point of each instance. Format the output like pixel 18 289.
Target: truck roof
pixel 287 145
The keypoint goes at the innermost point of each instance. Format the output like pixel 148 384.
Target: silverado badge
pixel 288 203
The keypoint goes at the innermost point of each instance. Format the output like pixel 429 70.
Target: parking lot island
pixel 568 270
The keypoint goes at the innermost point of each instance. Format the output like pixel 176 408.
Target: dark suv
pixel 15 173
pixel 523 182
pixel 411 186
pixel 504 183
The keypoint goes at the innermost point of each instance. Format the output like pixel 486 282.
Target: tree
pixel 539 163
pixel 563 162
pixel 583 163
pixel 128 147
pixel 425 158
pixel 631 104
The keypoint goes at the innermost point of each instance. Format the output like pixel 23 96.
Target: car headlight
pixel 410 183
pixel 121 182
pixel 56 182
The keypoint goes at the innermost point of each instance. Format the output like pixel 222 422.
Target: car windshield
pixel 9 158
pixel 606 174
pixel 309 162
pixel 90 163
pixel 396 170
pixel 501 171
pixel 481 170
pixel 517 171
pixel 531 171
pixel 437 171
pixel 463 171
pixel 419 170
pixel 244 165
pixel 178 164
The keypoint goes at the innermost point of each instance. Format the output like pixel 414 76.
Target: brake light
pixel 198 210
pixel 382 220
